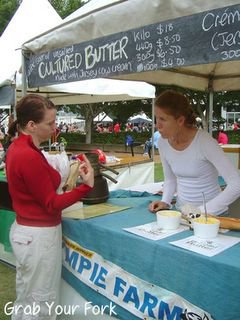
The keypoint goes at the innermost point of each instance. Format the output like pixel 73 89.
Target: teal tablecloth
pixel 210 283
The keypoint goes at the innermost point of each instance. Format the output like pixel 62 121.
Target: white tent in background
pixel 103 118
pixel 30 19
pixel 97 90
pixel 140 118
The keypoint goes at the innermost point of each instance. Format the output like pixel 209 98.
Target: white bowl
pixel 206 229
pixel 168 219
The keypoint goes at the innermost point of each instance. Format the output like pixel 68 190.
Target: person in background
pixel 235 126
pixel 36 235
pixel 148 144
pixel 2 134
pixel 191 159
pixel 128 127
pixel 1 139
pixel 129 143
pixel 222 137
pixel 116 128
pixel 110 128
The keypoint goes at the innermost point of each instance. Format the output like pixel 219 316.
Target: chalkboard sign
pixel 207 37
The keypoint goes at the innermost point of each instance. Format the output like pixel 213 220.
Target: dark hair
pixel 31 107
pixel 177 105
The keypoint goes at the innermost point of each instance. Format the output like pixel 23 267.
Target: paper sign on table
pixel 91 211
pixel 153 232
pixel 207 247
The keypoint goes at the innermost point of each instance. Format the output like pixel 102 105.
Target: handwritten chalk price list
pixel 145 51
pixel 168 46
pixel 203 38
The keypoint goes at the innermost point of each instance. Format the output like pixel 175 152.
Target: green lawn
pixel 7 288
pixel 158 172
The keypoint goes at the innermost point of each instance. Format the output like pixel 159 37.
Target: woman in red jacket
pixel 36 235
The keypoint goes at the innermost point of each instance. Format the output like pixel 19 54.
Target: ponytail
pixel 13 129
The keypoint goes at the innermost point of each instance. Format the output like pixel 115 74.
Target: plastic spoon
pixel 205 207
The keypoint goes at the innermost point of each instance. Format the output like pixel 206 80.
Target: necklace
pixel 181 142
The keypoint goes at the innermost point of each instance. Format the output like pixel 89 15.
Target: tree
pixel 87 111
pixel 120 111
pixel 7 10
pixel 65 7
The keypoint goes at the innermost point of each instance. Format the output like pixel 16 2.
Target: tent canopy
pixel 197 52
pixel 102 117
pixel 140 118
pixel 93 91
pixel 32 18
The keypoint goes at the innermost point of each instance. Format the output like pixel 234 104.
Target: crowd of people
pixel 65 128
pixel 120 127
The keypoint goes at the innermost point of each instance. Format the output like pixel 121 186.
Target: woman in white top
pixel 191 159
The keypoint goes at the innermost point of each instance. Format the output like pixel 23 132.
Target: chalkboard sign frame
pixel 202 38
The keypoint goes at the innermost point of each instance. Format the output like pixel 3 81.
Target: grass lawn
pixel 158 172
pixel 7 288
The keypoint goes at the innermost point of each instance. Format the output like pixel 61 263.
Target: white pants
pixel 38 271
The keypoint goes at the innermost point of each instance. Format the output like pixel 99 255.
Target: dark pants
pixel 131 147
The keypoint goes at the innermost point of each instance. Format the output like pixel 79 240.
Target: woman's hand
pixel 157 205
pixel 86 171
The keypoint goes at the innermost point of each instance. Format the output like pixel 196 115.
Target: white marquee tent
pixel 108 20
pixel 35 17
pixel 140 118
pixel 103 118
pixel 31 18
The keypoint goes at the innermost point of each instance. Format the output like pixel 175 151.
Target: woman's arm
pixel 169 188
pixel 226 169
pixel 39 183
pixel 170 182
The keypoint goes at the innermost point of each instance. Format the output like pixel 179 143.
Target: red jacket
pixel 33 183
pixel 222 138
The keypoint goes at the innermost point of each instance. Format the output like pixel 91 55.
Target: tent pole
pixel 24 78
pixel 210 112
pixel 15 97
pixel 153 129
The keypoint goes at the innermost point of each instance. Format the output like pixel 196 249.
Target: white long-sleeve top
pixel 195 170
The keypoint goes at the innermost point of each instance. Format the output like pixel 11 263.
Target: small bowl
pixel 206 229
pixel 168 219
